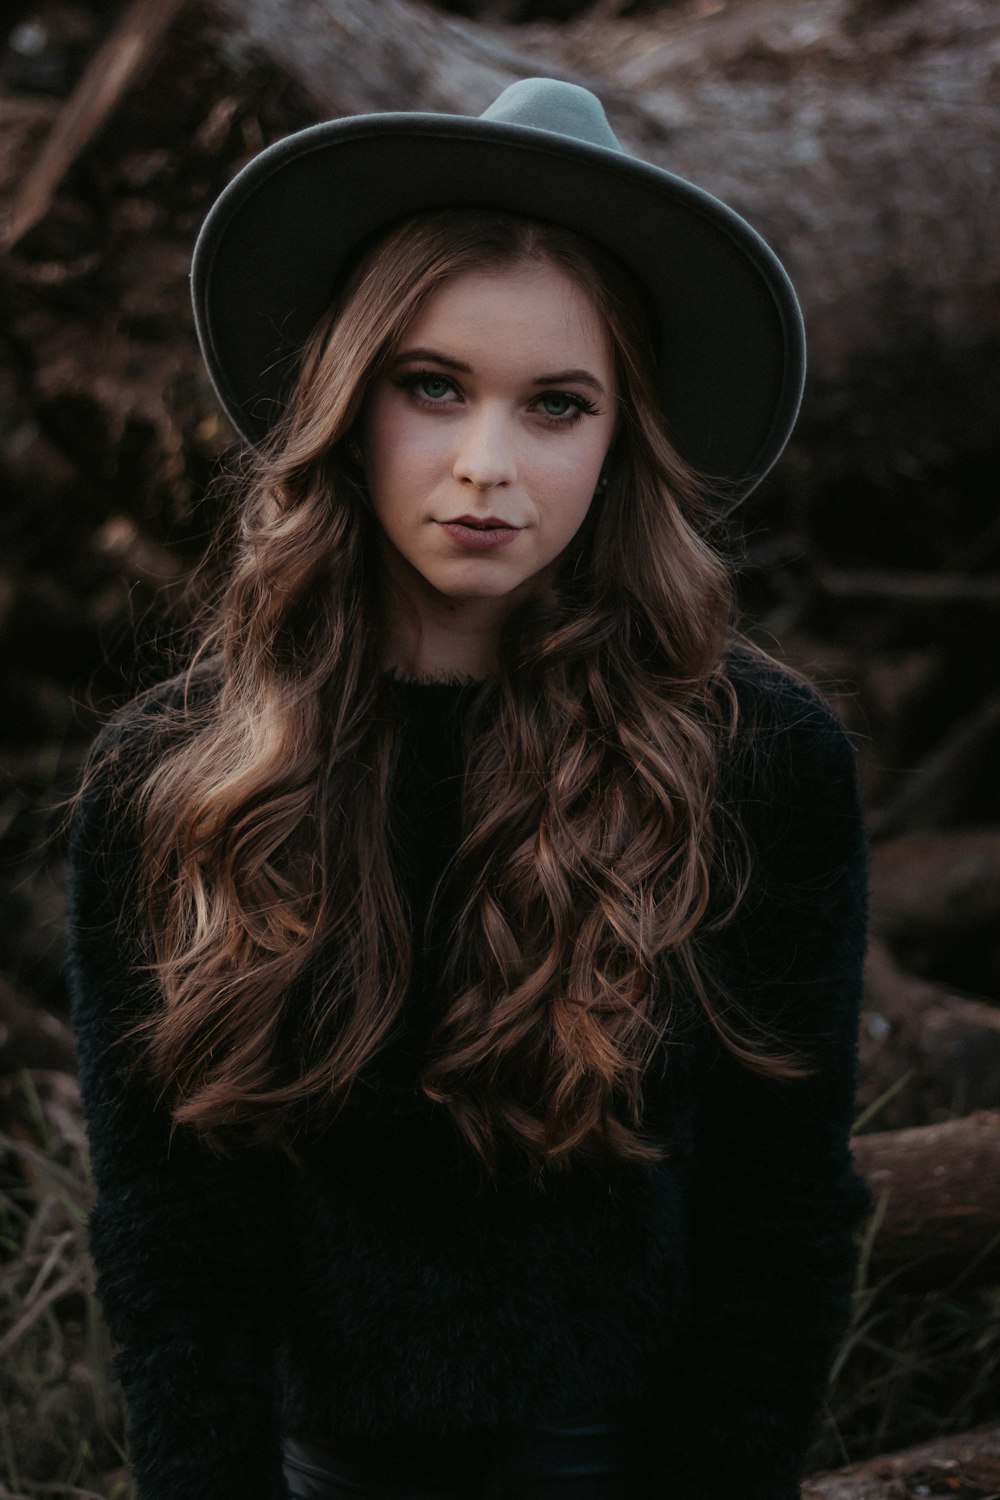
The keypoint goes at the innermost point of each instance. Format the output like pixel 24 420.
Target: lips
pixel 480 523
pixel 479 533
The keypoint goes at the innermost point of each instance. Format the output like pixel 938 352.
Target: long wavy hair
pixel 588 829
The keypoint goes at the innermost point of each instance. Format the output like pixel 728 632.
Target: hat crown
pixel 563 109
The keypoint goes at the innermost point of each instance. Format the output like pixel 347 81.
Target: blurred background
pixel 861 137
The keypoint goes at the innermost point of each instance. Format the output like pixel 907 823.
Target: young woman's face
pixel 485 436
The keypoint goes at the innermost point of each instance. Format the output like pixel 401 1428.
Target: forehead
pixel 533 306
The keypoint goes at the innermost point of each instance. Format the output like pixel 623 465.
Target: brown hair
pixel 588 795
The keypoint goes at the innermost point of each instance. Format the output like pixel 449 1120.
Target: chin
pixel 478 594
pixel 476 584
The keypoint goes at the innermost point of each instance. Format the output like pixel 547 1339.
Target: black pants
pixel 600 1460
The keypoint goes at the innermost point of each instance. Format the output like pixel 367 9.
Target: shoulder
pixel 131 741
pixel 784 730
pixel 128 747
pixel 156 718
pixel 106 892
pixel 772 700
pixel 788 775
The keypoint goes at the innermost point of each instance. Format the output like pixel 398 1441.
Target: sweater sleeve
pixel 777 1203
pixel 182 1239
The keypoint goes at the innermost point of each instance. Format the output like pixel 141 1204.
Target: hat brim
pixel 277 243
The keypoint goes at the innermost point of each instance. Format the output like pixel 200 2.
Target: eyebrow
pixel 439 359
pixel 562 377
pixel 571 377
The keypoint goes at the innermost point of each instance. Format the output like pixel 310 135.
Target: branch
pixel 111 71
pixel 965 1465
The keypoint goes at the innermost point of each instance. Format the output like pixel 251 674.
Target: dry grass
pixel 913 1365
pixel 60 1409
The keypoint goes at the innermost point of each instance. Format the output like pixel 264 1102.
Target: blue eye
pixel 434 386
pixel 427 386
pixel 563 408
pixel 558 404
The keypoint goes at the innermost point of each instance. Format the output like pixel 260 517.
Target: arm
pixel 776 1202
pixel 182 1240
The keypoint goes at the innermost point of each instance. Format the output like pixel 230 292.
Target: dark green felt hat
pixel 279 240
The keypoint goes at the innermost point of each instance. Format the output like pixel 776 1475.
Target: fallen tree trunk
pixel 862 142
pixel 924 1050
pixel 879 199
pixel 967 1467
pixel 938 1187
pixel 949 785
pixel 946 881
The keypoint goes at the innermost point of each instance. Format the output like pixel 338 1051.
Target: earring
pixel 352 448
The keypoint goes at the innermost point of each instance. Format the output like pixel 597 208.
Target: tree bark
pixel 948 881
pixel 861 140
pixel 947 787
pixel 365 56
pixel 926 1052
pixel 966 1466
pixel 938 1187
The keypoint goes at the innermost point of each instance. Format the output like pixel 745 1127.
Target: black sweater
pixel 389 1285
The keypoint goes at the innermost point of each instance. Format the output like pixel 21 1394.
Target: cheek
pixel 385 460
pixel 566 482
pixel 399 453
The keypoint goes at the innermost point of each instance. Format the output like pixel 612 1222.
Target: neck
pixel 430 635
pixel 461 647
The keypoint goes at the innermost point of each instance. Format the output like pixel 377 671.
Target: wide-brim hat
pixel 279 241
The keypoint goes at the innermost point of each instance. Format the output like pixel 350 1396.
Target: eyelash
pixel 413 379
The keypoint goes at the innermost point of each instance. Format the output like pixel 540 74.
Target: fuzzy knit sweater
pixel 389 1285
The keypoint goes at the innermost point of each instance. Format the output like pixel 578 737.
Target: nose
pixel 485 455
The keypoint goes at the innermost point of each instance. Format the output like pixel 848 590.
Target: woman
pixel 466 949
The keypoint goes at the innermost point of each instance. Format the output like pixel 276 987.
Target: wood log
pixel 948 881
pixel 364 56
pixel 964 1466
pixel 888 244
pixel 113 68
pixel 934 594
pixel 947 785
pixel 940 1192
pixel 926 1052
pixel 861 141
pixel 31 1037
